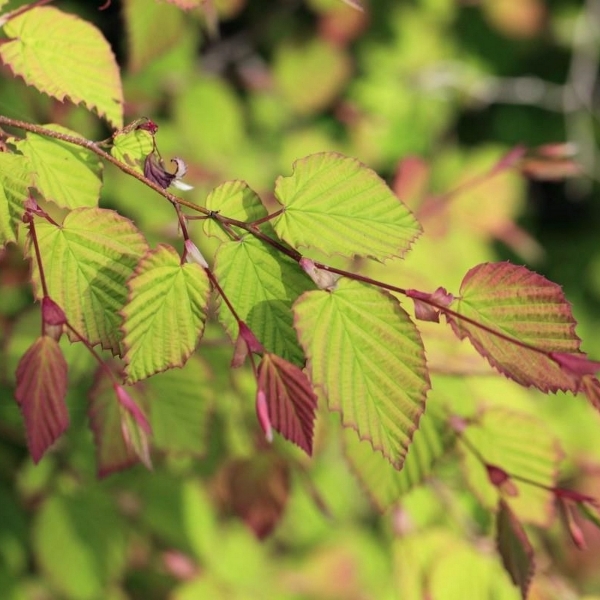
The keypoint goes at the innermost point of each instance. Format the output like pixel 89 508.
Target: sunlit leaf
pixel 164 317
pixel 290 399
pixel 132 147
pixel 525 307
pixel 236 200
pixel 383 483
pixel 120 439
pixel 68 175
pixel 503 438
pixel 86 263
pixel 180 402
pixel 15 179
pixel 41 391
pixel 515 549
pixel 337 205
pixel 262 285
pixel 65 57
pixel 366 356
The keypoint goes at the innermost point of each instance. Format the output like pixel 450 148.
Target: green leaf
pixel 262 285
pixel 180 404
pixel 65 57
pixel 132 147
pixel 86 263
pixel 515 549
pixel 236 200
pixel 366 356
pixel 15 179
pixel 152 28
pixel 164 317
pixel 338 206
pixel 311 75
pixel 526 307
pixel 80 555
pixel 383 483
pixel 503 438
pixel 68 175
pixel 448 579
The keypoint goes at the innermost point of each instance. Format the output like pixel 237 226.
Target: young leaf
pixel 261 284
pixel 15 179
pixel 290 400
pixel 526 307
pixel 503 439
pixel 236 200
pixel 132 147
pixel 41 391
pixel 64 56
pixel 120 434
pixel 366 356
pixel 68 175
pixel 87 262
pixel 338 206
pixel 180 403
pixel 515 548
pixel 164 317
pixel 384 484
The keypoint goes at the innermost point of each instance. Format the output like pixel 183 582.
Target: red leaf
pixel 119 426
pixel 515 548
pixel 520 322
pixel 41 391
pixel 290 399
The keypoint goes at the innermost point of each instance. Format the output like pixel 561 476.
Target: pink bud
pixel 127 402
pixel 262 412
pixel 193 254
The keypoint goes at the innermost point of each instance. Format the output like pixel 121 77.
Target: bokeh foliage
pixel 453 83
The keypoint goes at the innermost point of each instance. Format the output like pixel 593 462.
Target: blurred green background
pixel 429 93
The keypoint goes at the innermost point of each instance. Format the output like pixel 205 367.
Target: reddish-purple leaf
pixel 119 426
pixel 515 548
pixel 519 320
pixel 255 489
pixel 41 391
pixel 290 400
